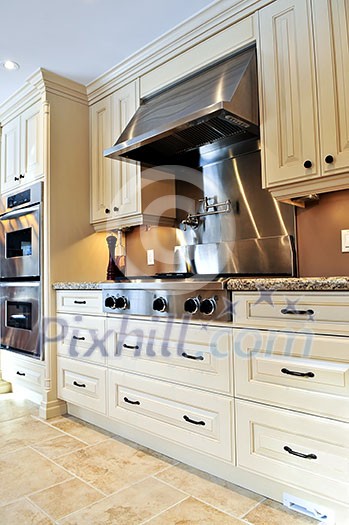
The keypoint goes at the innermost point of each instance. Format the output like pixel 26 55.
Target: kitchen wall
pixel 319 236
pixel 319 240
pixel 161 239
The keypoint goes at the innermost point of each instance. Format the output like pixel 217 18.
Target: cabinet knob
pixel 329 159
pixel 307 164
pixel 107 210
pixel 116 208
pixel 21 176
pixel 16 178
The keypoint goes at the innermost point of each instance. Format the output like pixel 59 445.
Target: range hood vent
pixel 218 104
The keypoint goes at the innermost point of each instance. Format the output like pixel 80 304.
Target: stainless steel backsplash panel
pixel 256 237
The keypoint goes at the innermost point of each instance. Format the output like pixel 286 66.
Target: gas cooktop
pixel 169 295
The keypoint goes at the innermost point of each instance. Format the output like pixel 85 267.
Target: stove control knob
pixel 110 302
pixel 160 304
pixel 192 305
pixel 207 306
pixel 121 302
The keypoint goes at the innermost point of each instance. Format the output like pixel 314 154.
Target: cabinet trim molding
pixel 193 31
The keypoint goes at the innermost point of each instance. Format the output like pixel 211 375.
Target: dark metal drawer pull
pixel 79 385
pixel 131 402
pixel 288 311
pixel 298 374
pixel 299 454
pixel 130 347
pixel 80 302
pixel 78 338
pixel 196 357
pixel 186 418
pixel 20 373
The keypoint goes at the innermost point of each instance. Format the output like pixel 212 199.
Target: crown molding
pixel 62 86
pixel 38 85
pixel 209 21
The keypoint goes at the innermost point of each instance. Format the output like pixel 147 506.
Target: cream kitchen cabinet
pixel 304 64
pixel 22 148
pixel 115 186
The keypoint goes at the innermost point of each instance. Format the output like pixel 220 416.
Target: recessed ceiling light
pixel 10 65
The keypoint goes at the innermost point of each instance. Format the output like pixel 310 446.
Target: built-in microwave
pixel 20 233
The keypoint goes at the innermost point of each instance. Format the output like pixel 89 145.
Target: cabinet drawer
pixel 189 417
pixel 80 301
pixel 176 352
pixel 22 371
pixel 304 372
pixel 82 384
pixel 326 313
pixel 304 451
pixel 82 337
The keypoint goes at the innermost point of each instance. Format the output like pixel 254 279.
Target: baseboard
pixel 52 409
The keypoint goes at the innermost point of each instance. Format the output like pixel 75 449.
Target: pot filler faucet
pixel 209 207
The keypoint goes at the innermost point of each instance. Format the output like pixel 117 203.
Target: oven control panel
pixel 18 199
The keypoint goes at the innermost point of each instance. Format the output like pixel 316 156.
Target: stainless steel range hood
pixel 218 104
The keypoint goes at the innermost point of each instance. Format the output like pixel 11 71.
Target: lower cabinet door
pixel 195 419
pixel 309 373
pixel 22 371
pixel 82 384
pixel 300 450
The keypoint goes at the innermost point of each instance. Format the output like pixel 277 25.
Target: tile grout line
pixel 199 499
pixel 252 508
pixel 163 511
pixel 221 510
pixel 126 487
pixel 39 508
pixel 46 422
pixel 240 517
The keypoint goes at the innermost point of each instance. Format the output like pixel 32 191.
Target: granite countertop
pixel 309 284
pixel 78 286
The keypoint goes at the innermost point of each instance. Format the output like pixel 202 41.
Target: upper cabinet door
pixel 10 152
pixel 100 132
pixel 126 186
pixel 32 143
pixel 331 29
pixel 288 97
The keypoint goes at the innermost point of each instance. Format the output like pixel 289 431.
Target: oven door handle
pixel 18 213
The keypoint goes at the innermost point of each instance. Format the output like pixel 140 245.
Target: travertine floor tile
pixel 22 432
pixel 24 513
pixel 112 464
pixel 79 429
pixel 219 493
pixel 26 471
pixel 63 499
pixel 13 407
pixel 272 513
pixel 130 506
pixel 193 512
pixel 64 444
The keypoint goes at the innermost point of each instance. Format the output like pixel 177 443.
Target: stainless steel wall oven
pixel 20 271
pixel 20 315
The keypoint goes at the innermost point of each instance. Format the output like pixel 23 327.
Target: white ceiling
pixel 81 39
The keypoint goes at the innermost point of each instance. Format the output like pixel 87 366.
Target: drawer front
pixel 82 384
pixel 80 301
pixel 306 451
pixel 82 337
pixel 176 352
pixel 189 417
pixel 307 373
pixel 22 371
pixel 324 313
